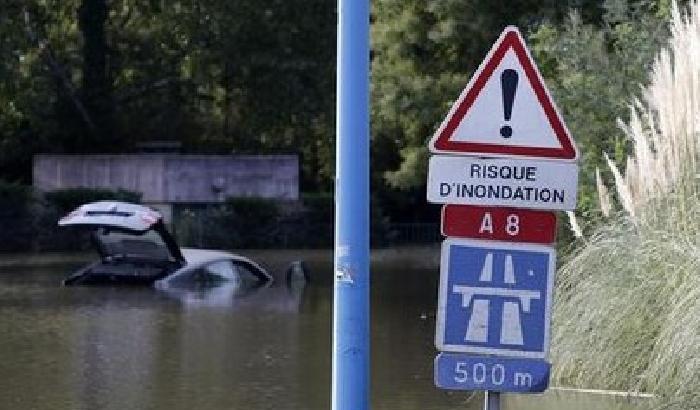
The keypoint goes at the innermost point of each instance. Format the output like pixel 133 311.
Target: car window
pixel 217 273
pixel 231 270
pixel 221 269
pixel 144 245
pixel 247 273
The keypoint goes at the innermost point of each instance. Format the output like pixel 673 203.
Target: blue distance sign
pixel 457 371
pixel 495 298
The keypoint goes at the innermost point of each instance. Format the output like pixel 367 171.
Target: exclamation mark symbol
pixel 509 83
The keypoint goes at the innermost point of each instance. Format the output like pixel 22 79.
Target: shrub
pixel 248 223
pixel 265 223
pixel 627 307
pixel 311 224
pixel 237 223
pixel 18 204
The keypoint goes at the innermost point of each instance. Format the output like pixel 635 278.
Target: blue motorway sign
pixel 457 371
pixel 495 298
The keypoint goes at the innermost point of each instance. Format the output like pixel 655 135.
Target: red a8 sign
pixel 496 223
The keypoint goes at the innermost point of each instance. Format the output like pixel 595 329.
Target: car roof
pixel 196 258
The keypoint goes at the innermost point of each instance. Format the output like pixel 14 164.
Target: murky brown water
pixel 139 348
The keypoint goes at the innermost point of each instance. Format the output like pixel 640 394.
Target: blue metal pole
pixel 350 385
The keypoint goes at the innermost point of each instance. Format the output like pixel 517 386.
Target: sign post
pixel 492 400
pixel 350 379
pixel 499 178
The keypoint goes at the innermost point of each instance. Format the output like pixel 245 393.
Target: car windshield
pixel 121 244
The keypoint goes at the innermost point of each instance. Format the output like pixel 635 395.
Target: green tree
pixel 273 84
pixel 96 84
pixel 594 72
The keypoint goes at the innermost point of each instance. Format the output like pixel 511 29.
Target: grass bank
pixel 628 307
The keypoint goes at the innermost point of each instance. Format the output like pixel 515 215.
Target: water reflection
pixel 224 295
pixel 217 348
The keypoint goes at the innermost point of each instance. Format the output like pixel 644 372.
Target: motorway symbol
pixel 495 298
pixel 505 110
pixel 503 224
pixel 510 182
pixel 456 371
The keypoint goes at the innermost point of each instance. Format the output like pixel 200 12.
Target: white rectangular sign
pixel 522 183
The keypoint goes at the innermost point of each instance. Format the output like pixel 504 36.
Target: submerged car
pixel 135 247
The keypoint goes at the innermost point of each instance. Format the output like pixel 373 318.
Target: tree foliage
pixel 595 71
pixel 81 76
pixel 100 75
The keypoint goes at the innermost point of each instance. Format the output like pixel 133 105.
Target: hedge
pixel 28 221
pixel 256 223
pixel 265 223
pixel 18 209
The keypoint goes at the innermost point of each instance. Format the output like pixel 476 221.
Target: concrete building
pixel 168 179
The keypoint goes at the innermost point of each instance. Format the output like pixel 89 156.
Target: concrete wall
pixel 173 178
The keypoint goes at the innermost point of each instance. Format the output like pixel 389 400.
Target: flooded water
pixel 140 348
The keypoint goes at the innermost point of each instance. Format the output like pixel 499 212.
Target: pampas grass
pixel 627 312
pixel 664 126
pixel 627 308
pixel 603 194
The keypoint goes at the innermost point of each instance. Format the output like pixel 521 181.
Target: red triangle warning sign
pixel 505 110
